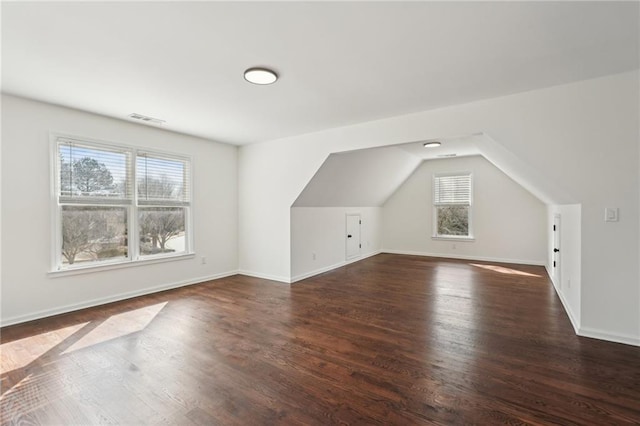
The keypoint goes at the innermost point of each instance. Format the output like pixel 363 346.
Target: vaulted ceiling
pixel 340 62
pixel 368 177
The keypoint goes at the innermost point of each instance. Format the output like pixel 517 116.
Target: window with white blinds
pixel 118 204
pixel 452 203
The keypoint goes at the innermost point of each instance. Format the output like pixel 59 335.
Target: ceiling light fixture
pixel 431 144
pixel 260 76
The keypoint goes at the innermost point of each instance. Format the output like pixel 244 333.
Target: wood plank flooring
pixel 393 340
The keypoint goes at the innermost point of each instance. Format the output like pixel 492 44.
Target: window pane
pixel 453 220
pixel 162 230
pixel 93 234
pixel 161 179
pixel 92 172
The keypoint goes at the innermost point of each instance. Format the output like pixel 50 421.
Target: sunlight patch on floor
pixel 503 270
pixel 117 326
pixel 20 353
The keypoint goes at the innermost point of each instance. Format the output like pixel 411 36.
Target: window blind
pixel 454 189
pixel 162 180
pixel 92 174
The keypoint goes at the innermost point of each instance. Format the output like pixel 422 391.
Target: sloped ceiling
pixel 360 178
pixel 368 177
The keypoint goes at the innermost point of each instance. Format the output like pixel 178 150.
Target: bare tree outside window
pixel 91 233
pixel 161 188
pixel 158 225
pixel 453 220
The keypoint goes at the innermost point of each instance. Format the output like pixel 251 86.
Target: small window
pixel 118 204
pixel 452 205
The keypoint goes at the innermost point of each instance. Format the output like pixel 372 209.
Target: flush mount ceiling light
pixel 431 144
pixel 260 76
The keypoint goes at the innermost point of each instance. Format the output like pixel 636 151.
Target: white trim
pixel 54 212
pixel 549 268
pixel 454 238
pixel 86 269
pixel 565 303
pixel 332 267
pixel 291 280
pixel 320 271
pixel 594 333
pixel 556 233
pixel 477 258
pixel 587 331
pixel 269 277
pixel 114 298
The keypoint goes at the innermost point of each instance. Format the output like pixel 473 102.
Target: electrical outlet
pixel 313 256
pixel 453 246
pixel 203 260
pixel 569 283
pixel 611 214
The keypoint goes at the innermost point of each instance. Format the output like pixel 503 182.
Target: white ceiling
pixel 340 62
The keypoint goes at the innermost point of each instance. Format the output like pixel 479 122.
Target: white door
pixel 353 236
pixel 556 250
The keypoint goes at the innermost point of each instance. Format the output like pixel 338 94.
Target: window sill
pixel 453 238
pixel 119 265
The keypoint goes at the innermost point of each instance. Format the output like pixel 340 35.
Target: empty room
pixel 315 213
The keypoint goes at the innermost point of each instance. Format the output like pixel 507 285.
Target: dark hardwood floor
pixel 389 340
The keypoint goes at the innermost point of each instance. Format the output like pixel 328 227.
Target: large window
pixel 118 204
pixel 452 203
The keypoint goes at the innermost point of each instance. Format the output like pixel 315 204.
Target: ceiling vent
pixel 447 155
pixel 146 119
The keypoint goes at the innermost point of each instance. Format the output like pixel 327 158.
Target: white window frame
pixel 133 250
pixel 435 235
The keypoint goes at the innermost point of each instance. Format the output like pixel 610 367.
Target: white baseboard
pixel 114 298
pixel 269 277
pixel 565 303
pixel 611 337
pixel 322 270
pixel 319 271
pixel 591 332
pixel 462 257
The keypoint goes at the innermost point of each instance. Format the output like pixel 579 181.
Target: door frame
pixel 556 256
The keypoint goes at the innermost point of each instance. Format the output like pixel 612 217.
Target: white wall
pixel 27 289
pixel 509 224
pixel 321 230
pixel 569 284
pixel 583 137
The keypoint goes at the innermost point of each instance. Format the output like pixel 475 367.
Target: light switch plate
pixel 611 214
